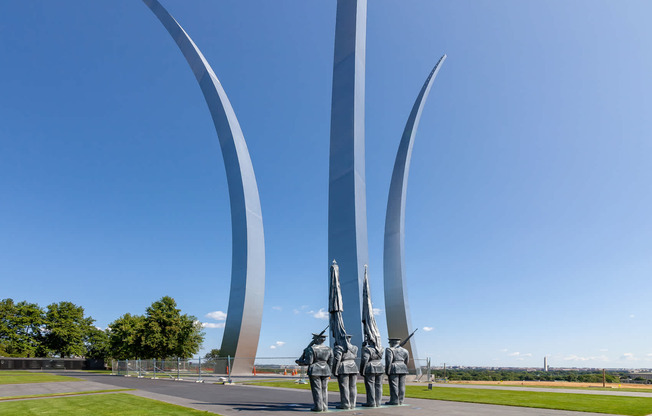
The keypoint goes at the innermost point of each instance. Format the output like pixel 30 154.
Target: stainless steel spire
pixel 244 315
pixel 347 206
pixel 397 307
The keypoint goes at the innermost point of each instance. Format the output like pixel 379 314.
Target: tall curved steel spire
pixel 347 206
pixel 244 315
pixel 397 309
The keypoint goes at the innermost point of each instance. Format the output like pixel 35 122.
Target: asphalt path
pixel 231 400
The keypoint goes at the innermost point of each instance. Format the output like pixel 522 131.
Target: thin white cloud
pixel 628 356
pixel 296 311
pixel 632 316
pixel 603 349
pixel 276 345
pixel 428 328
pixel 277 308
pixel 503 350
pixel 320 314
pixel 213 325
pixel 376 311
pixel 649 354
pixel 574 357
pixel 216 315
pixel 518 355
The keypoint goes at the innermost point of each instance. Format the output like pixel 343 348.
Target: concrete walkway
pixel 256 400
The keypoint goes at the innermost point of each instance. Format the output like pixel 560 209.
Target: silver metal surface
pixel 245 310
pixel 347 207
pixel 397 309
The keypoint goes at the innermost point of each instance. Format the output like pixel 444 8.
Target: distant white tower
pixel 545 363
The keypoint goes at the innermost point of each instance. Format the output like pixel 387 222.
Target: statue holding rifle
pixel 396 360
pixel 319 359
pixel 302 359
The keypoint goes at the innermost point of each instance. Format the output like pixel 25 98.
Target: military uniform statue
pixel 396 359
pixel 346 370
pixel 371 367
pixel 319 359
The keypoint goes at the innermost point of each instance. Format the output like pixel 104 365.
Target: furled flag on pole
pixel 335 306
pixel 371 333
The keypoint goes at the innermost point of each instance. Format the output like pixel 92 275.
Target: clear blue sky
pixel 529 199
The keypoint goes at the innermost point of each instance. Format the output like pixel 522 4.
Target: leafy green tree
pixel 97 344
pixel 66 329
pixel 126 337
pixel 20 328
pixel 163 332
pixel 168 333
pixel 212 355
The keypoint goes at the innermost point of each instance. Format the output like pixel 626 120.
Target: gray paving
pixel 256 400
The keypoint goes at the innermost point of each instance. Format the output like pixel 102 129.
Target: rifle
pixel 303 355
pixel 407 339
pixel 321 334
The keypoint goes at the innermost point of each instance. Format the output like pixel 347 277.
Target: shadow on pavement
pixel 262 407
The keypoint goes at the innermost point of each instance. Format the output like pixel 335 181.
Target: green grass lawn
pixel 72 393
pixel 99 405
pixel 619 405
pixel 22 377
pixel 562 386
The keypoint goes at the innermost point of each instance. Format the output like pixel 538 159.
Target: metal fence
pixel 219 370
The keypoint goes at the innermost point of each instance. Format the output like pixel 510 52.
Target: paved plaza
pixel 256 400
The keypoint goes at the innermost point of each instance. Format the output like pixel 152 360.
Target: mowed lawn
pixel 618 405
pixel 22 377
pixel 97 405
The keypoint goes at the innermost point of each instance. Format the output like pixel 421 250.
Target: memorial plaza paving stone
pixel 256 400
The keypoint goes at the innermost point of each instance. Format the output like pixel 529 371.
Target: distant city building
pixel 545 363
pixel 640 376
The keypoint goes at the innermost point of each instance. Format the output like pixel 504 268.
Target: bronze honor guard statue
pixel 346 370
pixel 319 359
pixel 371 366
pixel 396 359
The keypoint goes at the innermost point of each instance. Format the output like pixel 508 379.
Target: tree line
pixel 62 330
pixel 582 376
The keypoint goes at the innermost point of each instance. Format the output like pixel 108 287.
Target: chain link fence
pixel 219 370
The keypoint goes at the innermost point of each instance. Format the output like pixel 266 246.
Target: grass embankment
pixel 23 377
pixel 618 405
pixel 568 387
pixel 638 388
pixel 100 405
pixel 71 393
